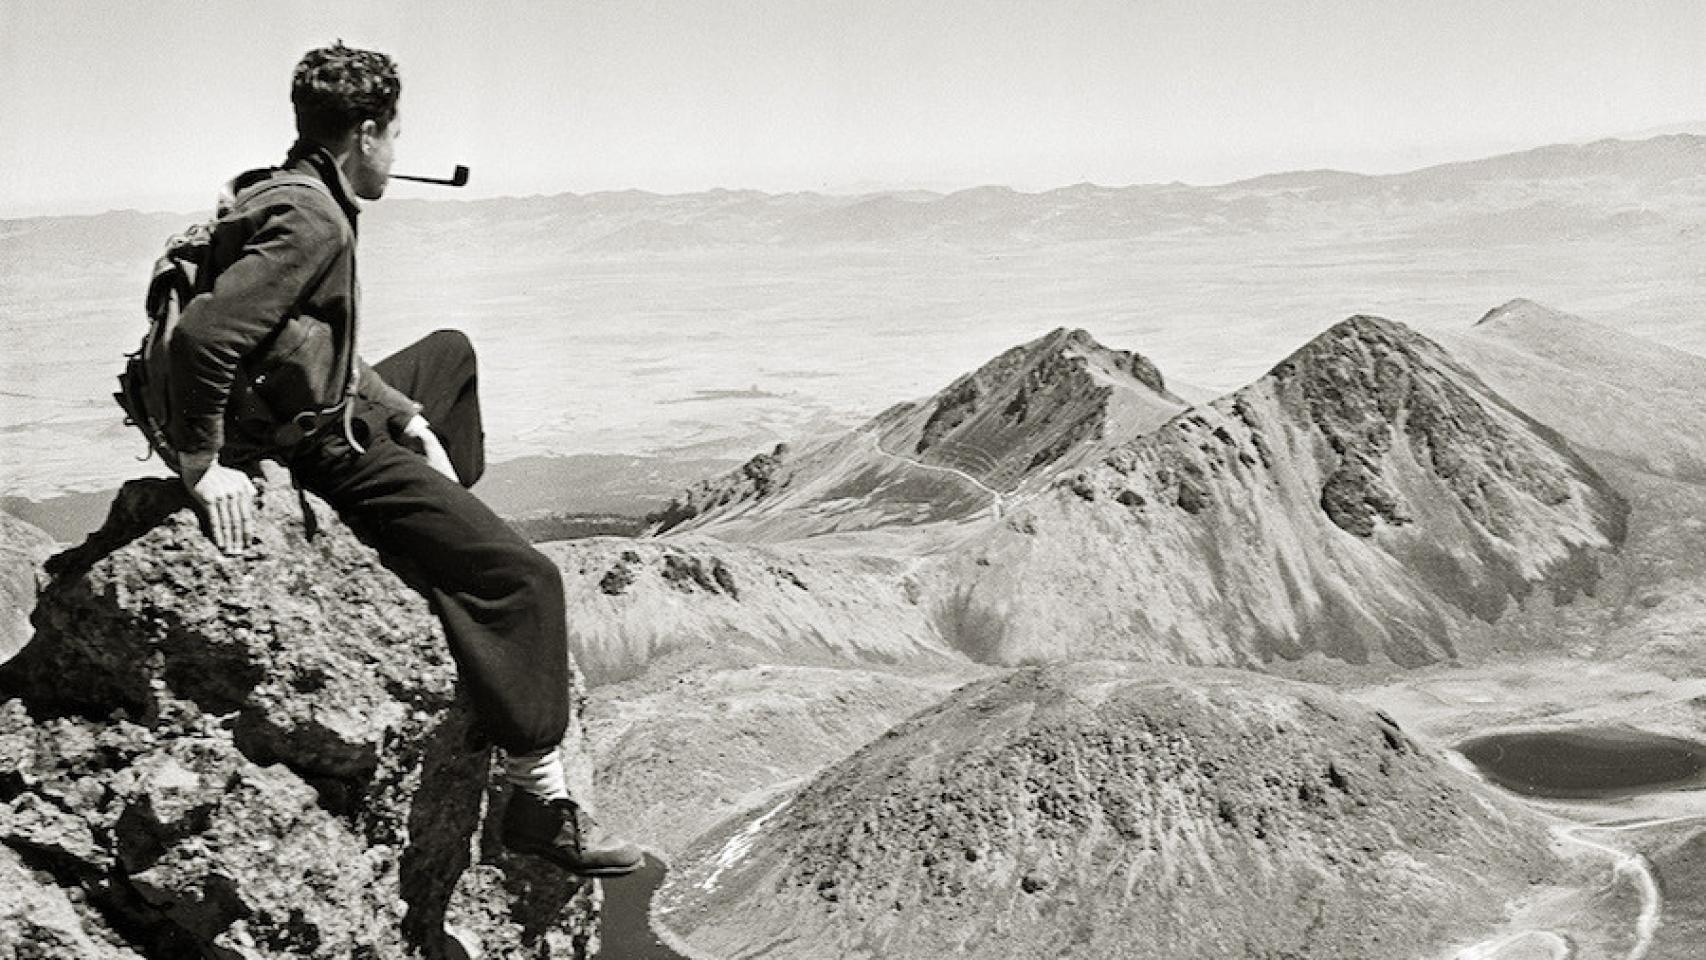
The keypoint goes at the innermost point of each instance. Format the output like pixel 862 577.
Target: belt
pixel 305 424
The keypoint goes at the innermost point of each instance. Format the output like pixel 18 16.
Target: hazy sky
pixel 152 104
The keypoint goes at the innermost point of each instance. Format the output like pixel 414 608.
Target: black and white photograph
pixel 853 480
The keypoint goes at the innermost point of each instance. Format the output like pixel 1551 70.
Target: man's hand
pixel 418 436
pixel 226 498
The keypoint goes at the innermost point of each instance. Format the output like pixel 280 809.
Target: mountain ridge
pixel 1368 492
pixel 1369 499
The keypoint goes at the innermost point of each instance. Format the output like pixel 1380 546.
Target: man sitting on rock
pixel 264 364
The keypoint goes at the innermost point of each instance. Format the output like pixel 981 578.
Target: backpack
pixel 181 272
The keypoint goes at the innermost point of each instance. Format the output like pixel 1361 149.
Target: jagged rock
pixel 23 548
pixel 751 481
pixel 1118 810
pixel 38 921
pixel 262 756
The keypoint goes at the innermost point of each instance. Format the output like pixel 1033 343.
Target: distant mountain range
pixel 675 296
pixel 1559 187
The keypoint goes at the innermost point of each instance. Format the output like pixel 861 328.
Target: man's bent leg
pixel 500 600
pixel 501 603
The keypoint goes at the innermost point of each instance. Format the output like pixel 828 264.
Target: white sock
pixel 540 774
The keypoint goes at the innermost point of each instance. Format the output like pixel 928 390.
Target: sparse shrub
pixel 1081 485
pixel 724 578
pixel 617 580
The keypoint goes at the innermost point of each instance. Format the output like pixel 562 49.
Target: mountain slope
pixel 1358 500
pixel 1368 499
pixel 1606 391
pixel 701 601
pixel 1101 810
pixel 1034 411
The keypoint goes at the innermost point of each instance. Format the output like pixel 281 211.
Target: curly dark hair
pixel 338 87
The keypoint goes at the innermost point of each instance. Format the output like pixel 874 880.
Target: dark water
pixel 623 930
pixel 1594 763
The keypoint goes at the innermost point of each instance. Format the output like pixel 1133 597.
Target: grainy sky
pixel 151 104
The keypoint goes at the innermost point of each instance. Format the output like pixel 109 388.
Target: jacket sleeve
pixel 291 245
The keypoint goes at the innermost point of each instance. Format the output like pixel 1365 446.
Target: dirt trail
pixel 1633 865
pixel 999 497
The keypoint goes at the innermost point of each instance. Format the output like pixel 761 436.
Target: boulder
pixel 260 756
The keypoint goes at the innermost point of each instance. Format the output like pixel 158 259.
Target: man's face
pixel 377 148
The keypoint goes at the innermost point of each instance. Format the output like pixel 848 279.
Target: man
pixel 264 363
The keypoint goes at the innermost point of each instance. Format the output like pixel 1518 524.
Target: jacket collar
pixel 306 156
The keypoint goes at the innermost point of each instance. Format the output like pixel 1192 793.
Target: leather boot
pixel 563 833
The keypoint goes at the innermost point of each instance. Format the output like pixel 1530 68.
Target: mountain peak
pixel 1038 409
pixel 1516 311
pixel 1369 385
pixel 1028 407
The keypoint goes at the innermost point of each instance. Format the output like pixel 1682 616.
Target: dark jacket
pixel 271 333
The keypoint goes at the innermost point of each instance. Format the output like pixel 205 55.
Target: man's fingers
pixel 220 517
pixel 244 507
pixel 229 508
pixel 239 525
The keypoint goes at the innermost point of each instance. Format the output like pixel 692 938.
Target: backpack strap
pixel 246 192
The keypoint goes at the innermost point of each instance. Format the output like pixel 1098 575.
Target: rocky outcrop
pixel 1361 500
pixel 1103 810
pixel 750 482
pixel 1032 413
pixel 23 548
pixel 38 919
pixel 259 756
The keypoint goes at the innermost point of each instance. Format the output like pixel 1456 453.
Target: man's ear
pixel 366 134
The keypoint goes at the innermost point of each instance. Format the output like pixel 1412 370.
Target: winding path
pixel 1632 864
pixel 999 498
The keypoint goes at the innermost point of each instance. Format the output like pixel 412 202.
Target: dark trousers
pixel 500 600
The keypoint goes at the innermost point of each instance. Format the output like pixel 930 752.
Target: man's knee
pixel 453 346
